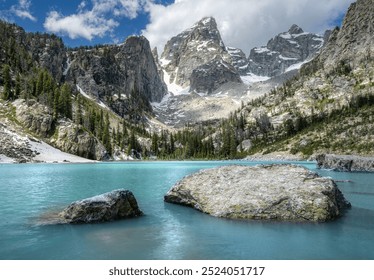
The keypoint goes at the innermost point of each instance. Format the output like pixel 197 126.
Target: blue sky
pixel 32 15
pixel 243 23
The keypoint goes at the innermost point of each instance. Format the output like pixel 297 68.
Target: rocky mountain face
pixel 328 107
pixel 115 74
pixel 210 76
pixel 283 51
pixel 199 48
pixel 61 95
pixel 30 49
pixel 63 134
pixel 238 60
pixel 354 43
pixel 107 73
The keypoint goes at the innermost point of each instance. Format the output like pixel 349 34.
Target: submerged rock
pixel 345 163
pixel 271 192
pixel 114 205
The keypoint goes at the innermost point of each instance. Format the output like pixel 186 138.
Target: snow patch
pixel 319 39
pixel 164 61
pixel 202 46
pixel 49 154
pixel 252 78
pixel 286 36
pixel 207 20
pixel 5 159
pixel 287 58
pixel 294 43
pixel 81 91
pixel 68 65
pixel 99 102
pixel 261 50
pixel 300 34
pixel 173 87
pixel 297 66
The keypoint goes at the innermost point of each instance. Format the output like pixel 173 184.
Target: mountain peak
pixel 208 21
pixel 287 49
pixel 295 29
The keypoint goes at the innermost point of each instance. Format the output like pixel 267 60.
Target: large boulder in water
pixel 271 192
pixel 114 205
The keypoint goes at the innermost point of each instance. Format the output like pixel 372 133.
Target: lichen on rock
pixel 270 192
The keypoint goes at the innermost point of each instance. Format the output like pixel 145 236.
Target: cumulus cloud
pixel 22 10
pixel 243 23
pixel 97 21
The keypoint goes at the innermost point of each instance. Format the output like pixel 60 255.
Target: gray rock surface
pixel 74 139
pixel 345 163
pixel 114 205
pixel 273 192
pixel 284 50
pixel 239 60
pixel 197 46
pixel 13 147
pixel 34 116
pixel 68 136
pixel 112 74
pixel 209 77
pixel 354 42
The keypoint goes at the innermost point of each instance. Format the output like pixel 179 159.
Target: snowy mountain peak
pixel 285 52
pixel 194 47
pixel 295 29
pixel 208 21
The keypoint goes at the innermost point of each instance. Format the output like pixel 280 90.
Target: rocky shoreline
pixel 345 163
pixel 277 156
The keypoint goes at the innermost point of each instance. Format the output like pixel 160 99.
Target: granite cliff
pixel 284 52
pixel 117 75
pixel 196 55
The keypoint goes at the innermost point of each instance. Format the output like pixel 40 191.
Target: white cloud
pixel 85 25
pixel 243 23
pixel 22 10
pixel 99 21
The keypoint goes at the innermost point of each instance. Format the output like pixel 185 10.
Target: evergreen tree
pixel 172 144
pixel 17 90
pixel 119 136
pixel 7 92
pixel 106 137
pixel 40 83
pixel 56 104
pixel 155 145
pixel 79 116
pixel 233 144
pixel 64 102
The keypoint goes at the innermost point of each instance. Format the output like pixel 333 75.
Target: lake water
pixel 166 231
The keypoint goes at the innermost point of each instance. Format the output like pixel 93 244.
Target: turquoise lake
pixel 166 231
